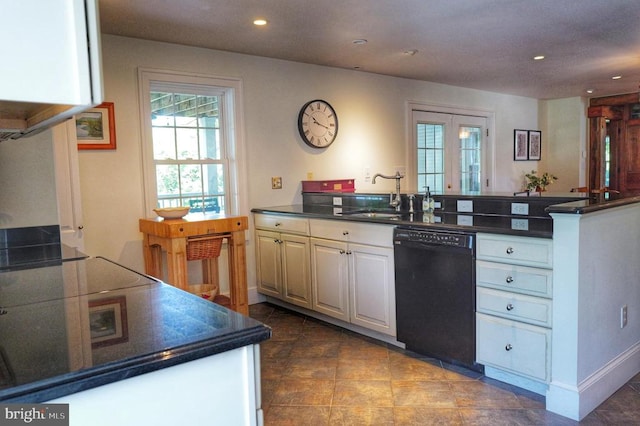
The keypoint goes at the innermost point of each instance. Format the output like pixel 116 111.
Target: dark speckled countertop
pixel 85 323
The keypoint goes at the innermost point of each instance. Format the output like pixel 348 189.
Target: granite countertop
pixel 85 323
pixel 493 215
pixel 465 222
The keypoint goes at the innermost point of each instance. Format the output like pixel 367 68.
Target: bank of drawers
pixel 513 304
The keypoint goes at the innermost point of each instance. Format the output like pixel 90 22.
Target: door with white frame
pixel 65 151
pixel 450 152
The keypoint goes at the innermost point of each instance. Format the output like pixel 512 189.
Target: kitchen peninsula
pixel 588 267
pixel 106 340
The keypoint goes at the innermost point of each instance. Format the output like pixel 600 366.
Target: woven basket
pixel 203 247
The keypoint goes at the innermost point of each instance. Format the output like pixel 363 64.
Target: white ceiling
pixel 481 44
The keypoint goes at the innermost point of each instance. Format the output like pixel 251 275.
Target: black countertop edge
pixel 296 210
pixel 590 206
pixel 90 378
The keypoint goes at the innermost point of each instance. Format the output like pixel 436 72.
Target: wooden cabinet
pixel 514 306
pixel 352 273
pixel 283 258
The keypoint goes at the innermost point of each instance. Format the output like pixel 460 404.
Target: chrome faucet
pixel 393 202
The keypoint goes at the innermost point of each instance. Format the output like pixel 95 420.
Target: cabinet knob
pixel 81 227
pixel 509 250
pixel 342 251
pixel 349 252
pixel 508 347
pixel 510 307
pixel 509 279
pixel 345 232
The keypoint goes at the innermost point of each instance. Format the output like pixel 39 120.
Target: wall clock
pixel 318 123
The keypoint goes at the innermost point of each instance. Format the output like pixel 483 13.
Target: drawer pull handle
pixel 509 250
pixel 345 232
pixel 278 224
pixel 508 347
pixel 342 252
pixel 509 279
pixel 510 307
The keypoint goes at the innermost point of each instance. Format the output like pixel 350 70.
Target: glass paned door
pixel 449 152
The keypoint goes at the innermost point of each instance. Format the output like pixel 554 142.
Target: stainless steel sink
pixel 373 214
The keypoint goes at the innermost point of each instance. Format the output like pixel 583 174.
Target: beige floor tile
pixel 420 416
pixel 432 394
pixel 312 368
pixel 297 416
pixel 303 392
pixel 304 348
pixel 361 416
pixel 318 374
pixel 374 393
pixel 480 395
pixel 363 369
pixel 413 369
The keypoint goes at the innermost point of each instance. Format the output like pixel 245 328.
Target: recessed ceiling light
pixel 260 22
pixel 589 91
pixel 538 57
pixel 616 77
pixel 411 52
pixel 360 41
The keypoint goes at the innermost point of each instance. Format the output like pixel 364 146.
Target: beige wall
pixel 372 113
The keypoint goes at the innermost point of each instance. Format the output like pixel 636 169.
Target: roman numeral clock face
pixel 318 124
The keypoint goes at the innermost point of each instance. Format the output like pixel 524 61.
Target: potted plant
pixel 539 183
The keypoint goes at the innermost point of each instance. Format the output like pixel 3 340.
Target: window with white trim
pixel 189 141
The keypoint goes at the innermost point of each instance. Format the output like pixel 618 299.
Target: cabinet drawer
pixel 519 307
pixel 527 251
pixel 353 232
pixel 521 279
pixel 521 348
pixel 295 225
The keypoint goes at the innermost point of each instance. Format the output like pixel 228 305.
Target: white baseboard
pixel 576 402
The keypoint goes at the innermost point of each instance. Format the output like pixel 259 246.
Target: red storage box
pixel 340 185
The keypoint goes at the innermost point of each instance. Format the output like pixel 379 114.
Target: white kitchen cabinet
pixel 283 258
pixel 352 273
pixel 55 69
pixel 514 308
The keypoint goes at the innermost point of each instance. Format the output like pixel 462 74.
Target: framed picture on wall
pixel 535 144
pixel 96 127
pixel 520 138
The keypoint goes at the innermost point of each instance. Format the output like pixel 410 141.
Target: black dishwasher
pixel 435 293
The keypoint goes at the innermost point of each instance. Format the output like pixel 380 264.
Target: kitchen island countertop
pixel 86 323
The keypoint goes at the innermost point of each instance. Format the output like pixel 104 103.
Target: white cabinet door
pixel 296 271
pixel 372 291
pixel 269 263
pixel 329 265
pixel 65 151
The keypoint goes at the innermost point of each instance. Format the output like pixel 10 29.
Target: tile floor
pixel 314 373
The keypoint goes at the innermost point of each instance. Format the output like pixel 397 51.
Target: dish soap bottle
pixel 428 203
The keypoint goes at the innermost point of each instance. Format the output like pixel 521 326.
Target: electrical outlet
pixel 367 174
pixel 276 182
pixel 520 208
pixel 623 316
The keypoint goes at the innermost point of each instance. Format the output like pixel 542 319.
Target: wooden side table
pixel 173 235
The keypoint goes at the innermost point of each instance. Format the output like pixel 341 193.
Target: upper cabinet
pixel 51 63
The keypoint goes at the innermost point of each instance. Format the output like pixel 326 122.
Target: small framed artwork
pixel 520 138
pixel 108 321
pixel 535 144
pixel 96 127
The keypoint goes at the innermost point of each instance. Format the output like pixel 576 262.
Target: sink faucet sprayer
pixel 393 202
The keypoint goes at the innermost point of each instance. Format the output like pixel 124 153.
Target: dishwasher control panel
pixel 442 238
